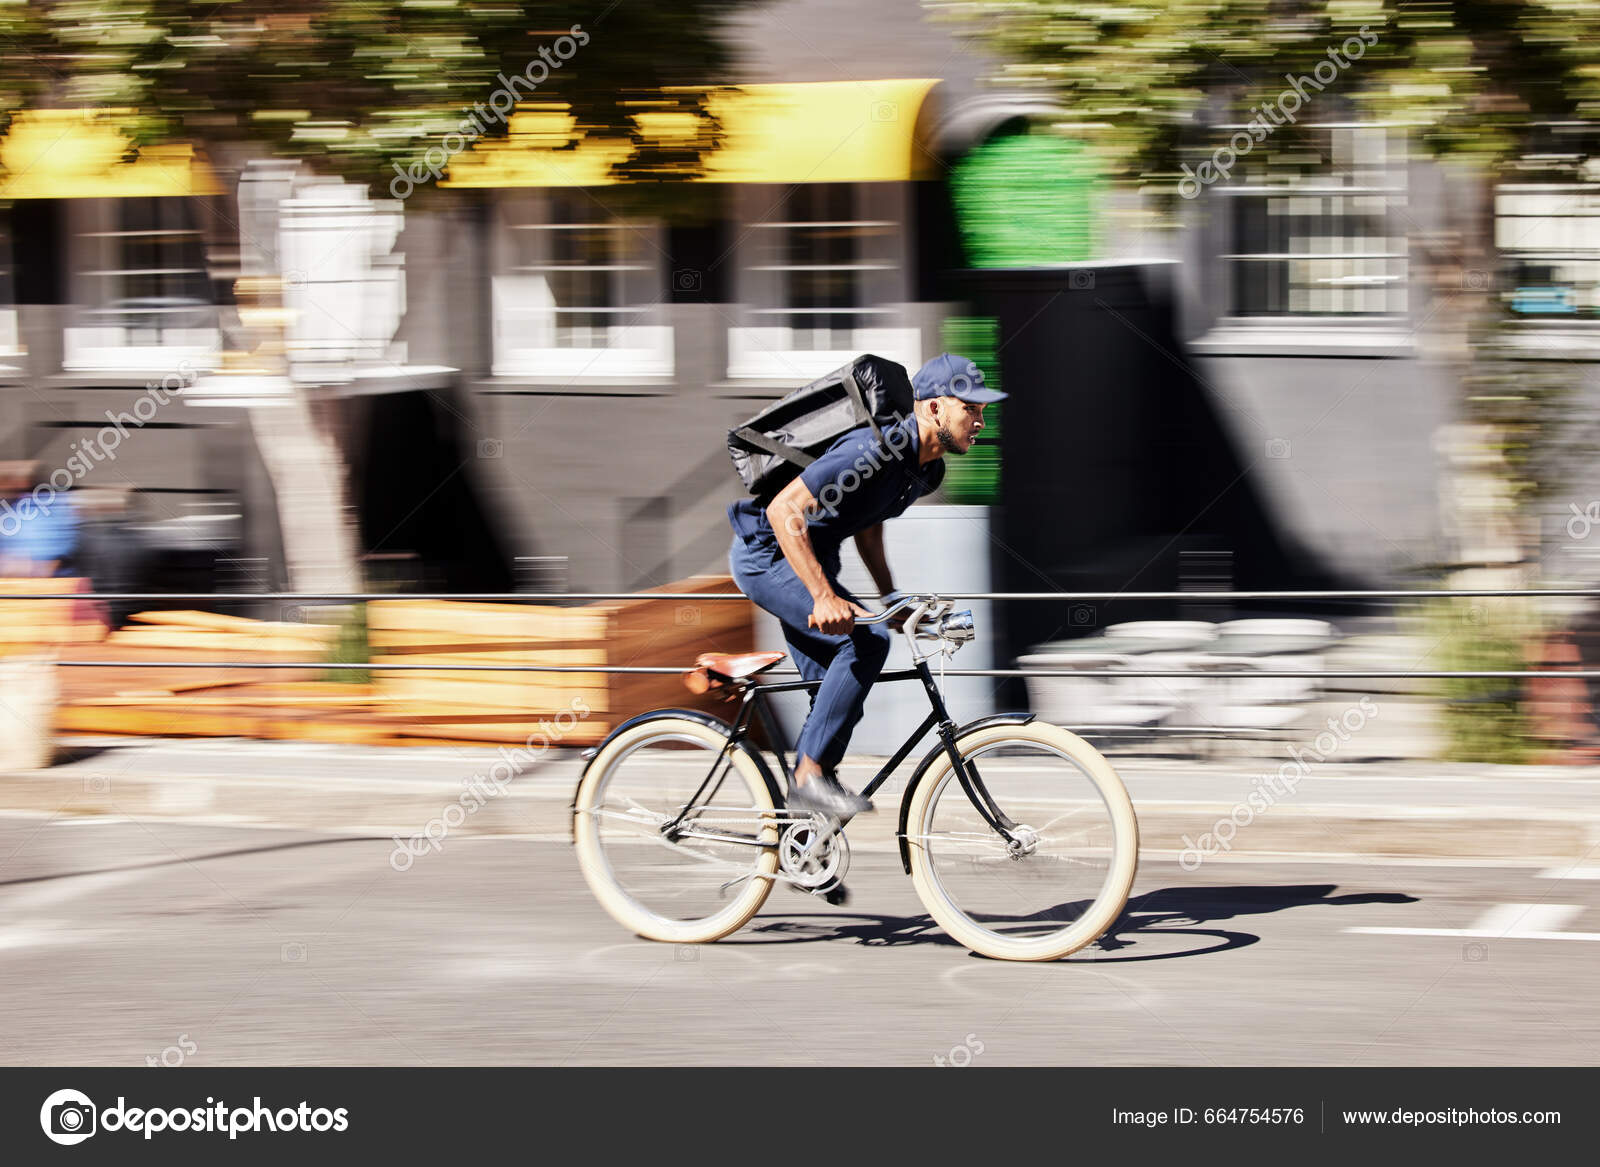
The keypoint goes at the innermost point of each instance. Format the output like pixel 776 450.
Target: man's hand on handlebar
pixel 835 615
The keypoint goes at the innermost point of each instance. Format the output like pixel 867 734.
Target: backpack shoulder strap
pixel 863 414
pixel 756 440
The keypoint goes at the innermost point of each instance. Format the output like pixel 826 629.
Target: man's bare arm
pixel 869 543
pixel 787 514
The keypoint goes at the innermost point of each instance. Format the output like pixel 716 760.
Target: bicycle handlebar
pixel 906 601
pixel 954 628
pixel 909 601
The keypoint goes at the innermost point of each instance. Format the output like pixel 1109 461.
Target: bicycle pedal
pixel 835 895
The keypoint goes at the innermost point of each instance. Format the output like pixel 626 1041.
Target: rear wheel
pixel 661 867
pixel 1065 878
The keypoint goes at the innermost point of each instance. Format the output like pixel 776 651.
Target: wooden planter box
pixel 511 706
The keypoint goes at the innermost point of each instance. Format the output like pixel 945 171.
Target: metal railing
pixel 335 599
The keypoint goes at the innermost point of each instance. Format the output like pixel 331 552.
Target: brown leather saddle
pixel 718 670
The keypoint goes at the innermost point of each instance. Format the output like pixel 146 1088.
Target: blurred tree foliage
pixel 1144 78
pixel 1026 199
pixel 360 85
pixel 1483 718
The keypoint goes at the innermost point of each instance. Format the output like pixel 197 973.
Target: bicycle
pixel 686 852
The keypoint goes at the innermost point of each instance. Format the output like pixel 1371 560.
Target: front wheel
pixel 1065 876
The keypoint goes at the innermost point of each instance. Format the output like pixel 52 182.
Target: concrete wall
pixel 1345 450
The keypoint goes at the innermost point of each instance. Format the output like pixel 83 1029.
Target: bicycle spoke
pixel 1040 884
pixel 676 825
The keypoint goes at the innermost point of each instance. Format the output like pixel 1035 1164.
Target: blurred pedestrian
pixel 38 524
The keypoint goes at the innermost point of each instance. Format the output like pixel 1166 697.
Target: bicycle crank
pixel 813 859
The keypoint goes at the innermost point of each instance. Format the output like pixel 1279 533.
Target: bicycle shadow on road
pixel 1148 921
pixel 862 927
pixel 1185 911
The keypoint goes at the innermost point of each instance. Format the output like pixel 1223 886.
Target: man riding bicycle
pixel 786 558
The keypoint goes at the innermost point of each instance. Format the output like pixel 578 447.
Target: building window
pixel 140 276
pixel 822 277
pixel 578 290
pixel 1548 235
pixel 155 279
pixel 1315 227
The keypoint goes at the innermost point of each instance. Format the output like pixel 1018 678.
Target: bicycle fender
pixel 928 760
pixel 705 719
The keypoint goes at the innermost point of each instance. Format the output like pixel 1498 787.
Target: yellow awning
pixel 78 154
pixel 826 131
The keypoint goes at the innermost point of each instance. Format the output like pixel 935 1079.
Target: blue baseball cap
pixel 952 376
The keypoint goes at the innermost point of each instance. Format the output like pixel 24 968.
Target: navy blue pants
pixel 847 664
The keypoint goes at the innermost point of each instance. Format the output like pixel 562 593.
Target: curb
pixel 540 806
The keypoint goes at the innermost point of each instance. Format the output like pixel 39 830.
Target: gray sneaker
pixel 824 794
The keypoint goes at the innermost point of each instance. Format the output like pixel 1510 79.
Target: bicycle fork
pixel 967 772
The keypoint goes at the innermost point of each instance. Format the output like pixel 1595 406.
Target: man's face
pixel 959 424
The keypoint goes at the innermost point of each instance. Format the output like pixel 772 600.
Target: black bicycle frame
pixel 754 704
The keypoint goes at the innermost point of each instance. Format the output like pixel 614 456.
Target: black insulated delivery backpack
pixel 771 449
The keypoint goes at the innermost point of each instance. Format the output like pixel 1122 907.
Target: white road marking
pixel 31 936
pixel 1504 922
pixel 1571 873
pixel 1515 919
pixel 1345 859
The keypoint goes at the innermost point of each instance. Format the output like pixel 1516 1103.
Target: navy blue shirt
pixel 858 482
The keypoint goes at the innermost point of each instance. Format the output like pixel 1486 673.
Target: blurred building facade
pixel 518 381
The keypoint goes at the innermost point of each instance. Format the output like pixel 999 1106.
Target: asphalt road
pixel 123 942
